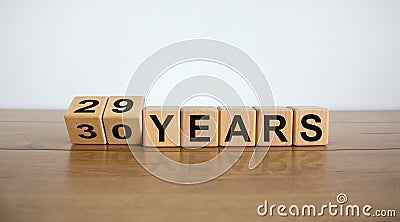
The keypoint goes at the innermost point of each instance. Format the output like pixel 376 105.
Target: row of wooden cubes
pixel 125 119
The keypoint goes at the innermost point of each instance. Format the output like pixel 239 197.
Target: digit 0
pixel 127 129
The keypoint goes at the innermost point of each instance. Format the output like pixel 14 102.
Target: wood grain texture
pixel 45 178
pixel 106 185
pixel 32 115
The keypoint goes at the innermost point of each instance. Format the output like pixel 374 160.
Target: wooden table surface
pixel 44 178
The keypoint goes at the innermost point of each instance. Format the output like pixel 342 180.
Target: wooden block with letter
pixel 237 126
pixel 274 126
pixel 199 126
pixel 161 126
pixel 310 125
pixel 123 119
pixel 84 120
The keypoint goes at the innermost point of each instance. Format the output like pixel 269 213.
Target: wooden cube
pixel 199 127
pixel 274 126
pixel 237 126
pixel 123 119
pixel 310 125
pixel 161 126
pixel 84 120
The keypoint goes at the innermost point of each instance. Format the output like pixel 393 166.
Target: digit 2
pixel 86 109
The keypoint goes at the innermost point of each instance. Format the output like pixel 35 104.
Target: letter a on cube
pixel 237 126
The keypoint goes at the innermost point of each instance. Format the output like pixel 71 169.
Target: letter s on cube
pixel 310 125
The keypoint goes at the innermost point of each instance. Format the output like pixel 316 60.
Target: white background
pixel 342 54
